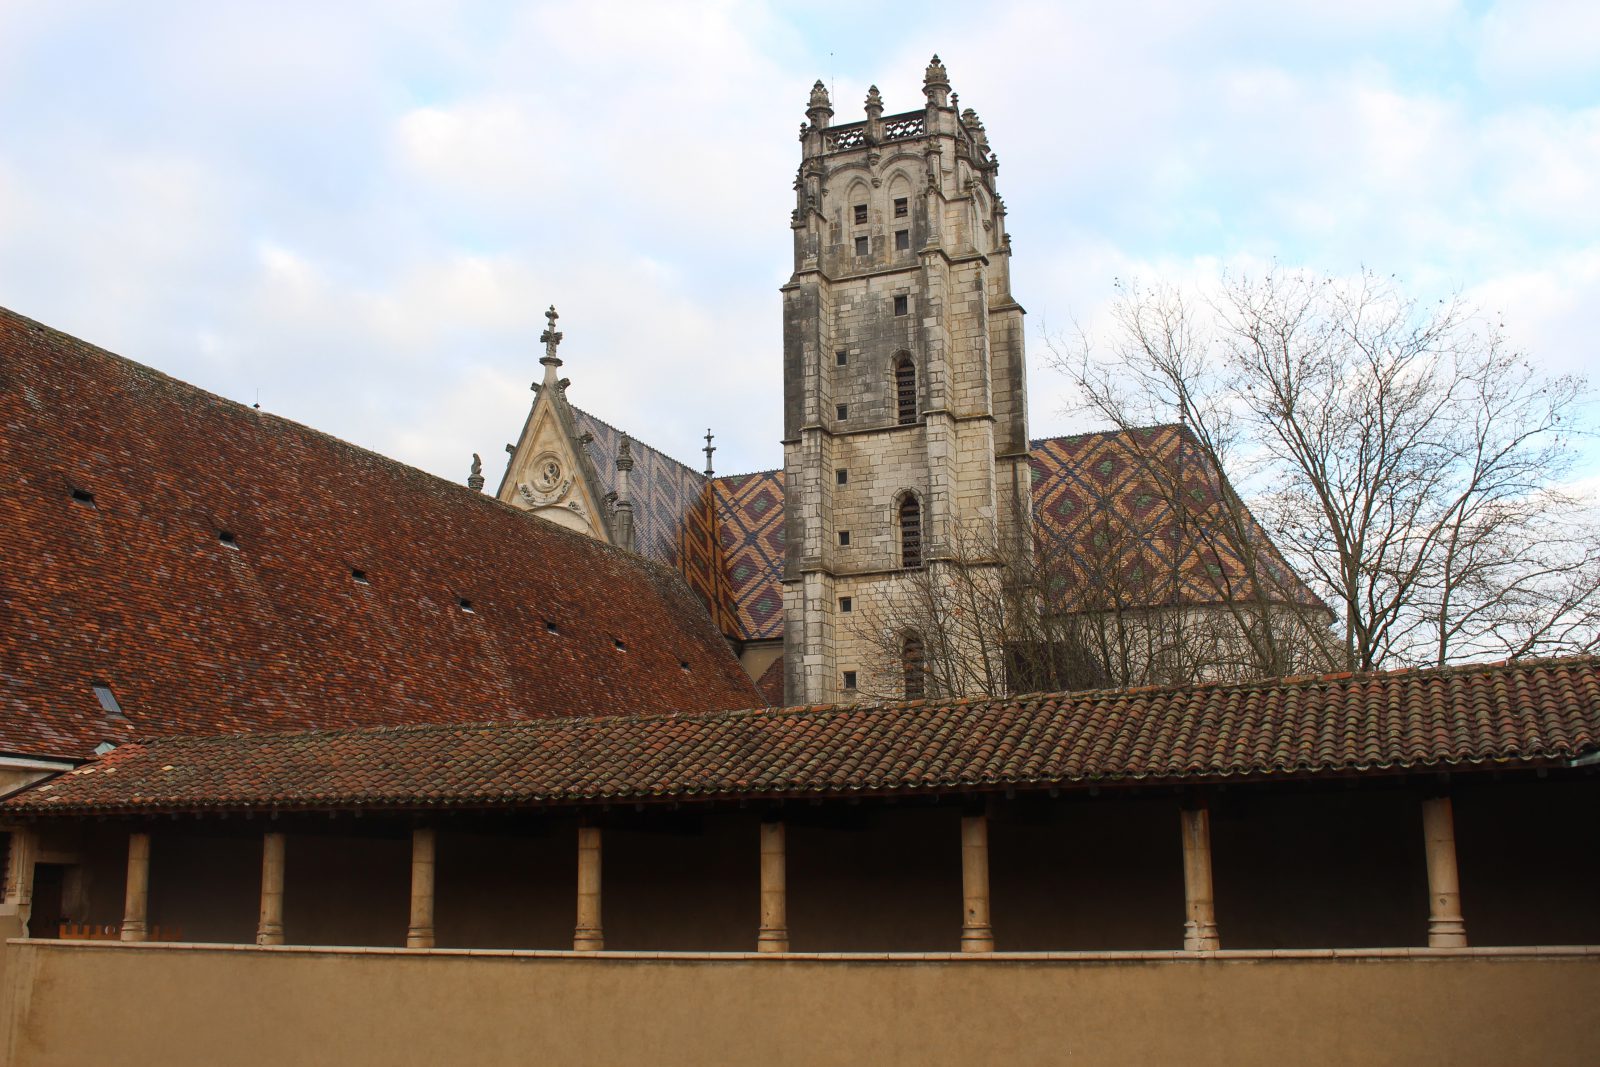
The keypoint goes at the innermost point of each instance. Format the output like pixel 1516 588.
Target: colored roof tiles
pixel 1137 518
pixel 349 590
pixel 749 523
pixel 1491 716
pixel 1108 520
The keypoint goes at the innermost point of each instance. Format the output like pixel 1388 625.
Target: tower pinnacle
pixel 936 83
pixel 820 109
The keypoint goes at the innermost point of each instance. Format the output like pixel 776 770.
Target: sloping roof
pixel 1494 716
pixel 135 590
pixel 1136 518
pixel 749 515
pixel 771 682
pixel 674 514
pixel 1103 512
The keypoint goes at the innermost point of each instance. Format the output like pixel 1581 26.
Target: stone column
pixel 137 901
pixel 1446 929
pixel 19 874
pixel 590 935
pixel 976 933
pixel 774 933
pixel 1200 925
pixel 423 844
pixel 270 929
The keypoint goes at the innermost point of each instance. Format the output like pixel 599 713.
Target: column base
pixel 772 941
pixel 1447 933
pixel 1200 937
pixel 419 937
pixel 977 939
pixel 588 941
pixel 269 935
pixel 134 932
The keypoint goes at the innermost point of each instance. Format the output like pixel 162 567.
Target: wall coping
pixel 1493 952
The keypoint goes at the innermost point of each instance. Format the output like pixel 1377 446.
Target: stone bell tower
pixel 905 403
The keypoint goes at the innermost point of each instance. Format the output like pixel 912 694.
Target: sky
pixel 356 213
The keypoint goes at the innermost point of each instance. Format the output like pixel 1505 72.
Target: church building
pixel 907 460
pixel 313 757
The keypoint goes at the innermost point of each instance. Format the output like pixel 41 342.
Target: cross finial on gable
pixel 551 338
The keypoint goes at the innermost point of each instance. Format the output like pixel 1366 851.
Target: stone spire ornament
pixel 874 103
pixel 624 501
pixel 550 361
pixel 874 126
pixel 936 83
pixel 820 108
pixel 551 338
pixel 475 479
pixel 710 448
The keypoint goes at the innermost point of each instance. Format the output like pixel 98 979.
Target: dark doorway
pixel 49 898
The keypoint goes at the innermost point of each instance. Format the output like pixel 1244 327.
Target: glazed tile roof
pixel 1103 520
pixel 749 520
pixel 1476 717
pixel 136 590
pixel 1135 518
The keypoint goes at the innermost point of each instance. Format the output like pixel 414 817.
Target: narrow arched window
pixel 910 532
pixel 912 662
pixel 905 390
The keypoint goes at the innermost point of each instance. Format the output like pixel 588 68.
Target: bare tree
pixel 1405 455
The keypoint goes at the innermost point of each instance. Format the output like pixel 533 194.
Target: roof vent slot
pixel 359 576
pixel 465 605
pixel 83 496
pixel 552 627
pixel 621 647
pixel 228 540
pixel 108 701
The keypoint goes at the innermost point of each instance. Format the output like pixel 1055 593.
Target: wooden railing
pixel 71 931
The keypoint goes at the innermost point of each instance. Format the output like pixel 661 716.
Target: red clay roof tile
pixel 137 591
pixel 1282 728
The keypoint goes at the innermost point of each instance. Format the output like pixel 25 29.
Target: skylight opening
pixel 84 497
pixel 465 605
pixel 552 627
pixel 228 540
pixel 108 701
pixel 617 641
pixel 683 665
pixel 359 576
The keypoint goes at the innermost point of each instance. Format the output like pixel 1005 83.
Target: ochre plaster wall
pixel 134 1005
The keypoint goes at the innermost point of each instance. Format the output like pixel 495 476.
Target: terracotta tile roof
pixel 136 590
pixel 771 682
pixel 1498 715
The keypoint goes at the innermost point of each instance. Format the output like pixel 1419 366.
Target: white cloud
pixel 363 210
pixel 1540 40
